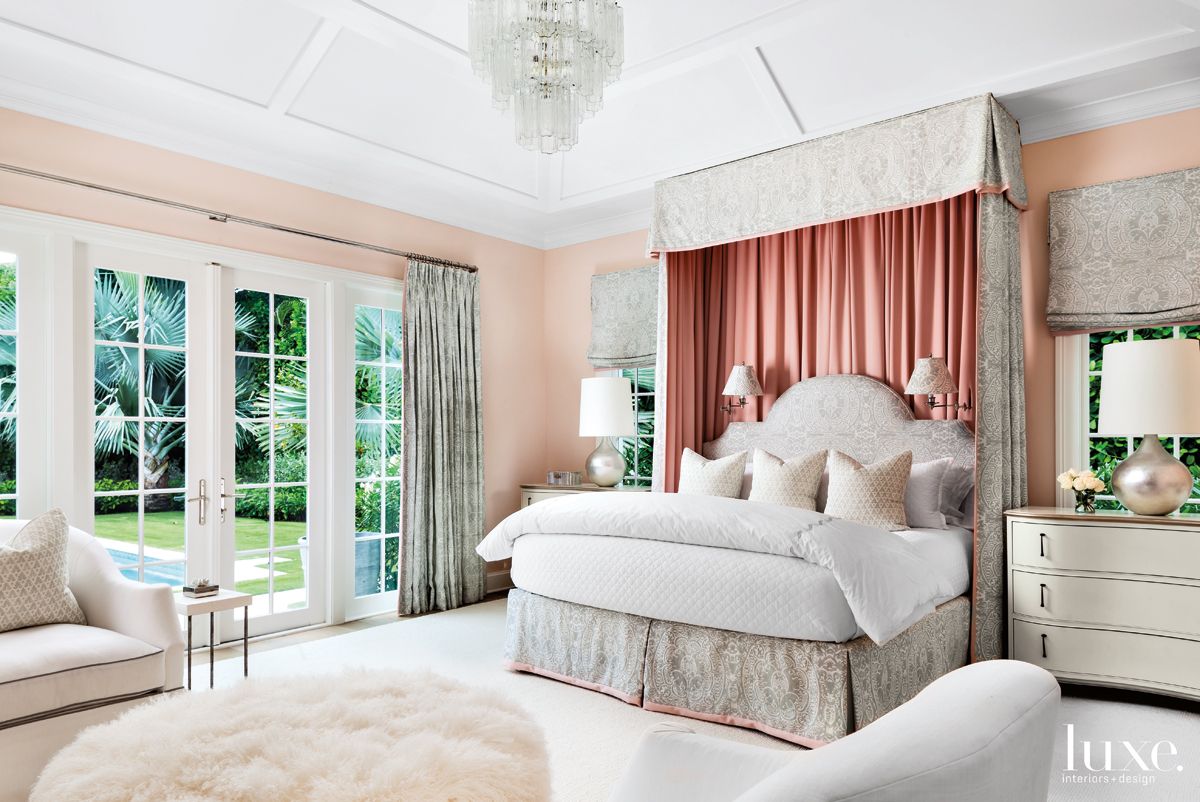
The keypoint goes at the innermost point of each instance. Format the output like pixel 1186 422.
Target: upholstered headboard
pixel 857 415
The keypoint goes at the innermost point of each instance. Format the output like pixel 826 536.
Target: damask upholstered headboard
pixel 857 415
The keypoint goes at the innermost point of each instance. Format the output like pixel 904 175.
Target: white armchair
pixel 59 678
pixel 984 733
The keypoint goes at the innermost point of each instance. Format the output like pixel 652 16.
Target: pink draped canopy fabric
pixel 869 295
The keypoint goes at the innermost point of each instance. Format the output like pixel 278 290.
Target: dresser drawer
pixel 1104 654
pixel 1140 550
pixel 1121 603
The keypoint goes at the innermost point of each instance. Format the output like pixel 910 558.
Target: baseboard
pixel 499 580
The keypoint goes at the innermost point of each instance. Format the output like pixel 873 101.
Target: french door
pixel 207 446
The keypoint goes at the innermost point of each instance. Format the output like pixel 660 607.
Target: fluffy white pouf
pixel 354 737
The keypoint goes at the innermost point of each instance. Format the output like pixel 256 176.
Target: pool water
pixel 153 573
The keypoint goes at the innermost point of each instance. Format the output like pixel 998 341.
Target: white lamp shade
pixel 606 407
pixel 1150 387
pixel 931 377
pixel 742 382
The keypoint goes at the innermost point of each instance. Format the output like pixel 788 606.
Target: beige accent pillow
pixel 711 477
pixel 33 576
pixel 872 495
pixel 791 483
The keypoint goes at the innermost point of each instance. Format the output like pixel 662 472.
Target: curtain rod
pixel 224 217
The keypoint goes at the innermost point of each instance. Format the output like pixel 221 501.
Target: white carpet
pixel 362 738
pixel 590 736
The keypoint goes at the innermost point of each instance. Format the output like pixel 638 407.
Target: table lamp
pixel 1151 388
pixel 606 411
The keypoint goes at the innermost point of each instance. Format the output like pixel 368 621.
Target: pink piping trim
pixel 628 699
pixel 791 737
pixel 982 189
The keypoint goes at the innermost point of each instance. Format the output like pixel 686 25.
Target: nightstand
pixel 1106 598
pixel 531 494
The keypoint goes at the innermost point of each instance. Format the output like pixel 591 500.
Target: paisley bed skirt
pixel 806 692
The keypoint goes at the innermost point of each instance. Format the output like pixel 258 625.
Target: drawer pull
pixel 1042 544
pixel 1043 645
pixel 1043 591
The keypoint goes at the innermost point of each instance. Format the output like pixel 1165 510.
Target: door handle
pixel 223 495
pixel 202 498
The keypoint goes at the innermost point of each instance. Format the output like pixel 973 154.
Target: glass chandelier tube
pixel 548 61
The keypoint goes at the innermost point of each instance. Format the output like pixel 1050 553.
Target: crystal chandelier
pixel 549 60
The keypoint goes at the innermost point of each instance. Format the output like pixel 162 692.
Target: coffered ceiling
pixel 375 99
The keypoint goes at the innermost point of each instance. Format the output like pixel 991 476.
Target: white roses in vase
pixel 1085 484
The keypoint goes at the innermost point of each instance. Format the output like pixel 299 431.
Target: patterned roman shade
pixel 624 318
pixel 1125 254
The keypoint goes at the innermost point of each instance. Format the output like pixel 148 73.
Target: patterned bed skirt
pixel 806 692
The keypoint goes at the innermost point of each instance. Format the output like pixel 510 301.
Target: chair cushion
pixel 33 576
pixel 62 668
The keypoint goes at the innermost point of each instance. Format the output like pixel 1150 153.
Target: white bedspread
pixel 886 582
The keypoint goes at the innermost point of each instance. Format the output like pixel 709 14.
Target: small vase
pixel 1085 501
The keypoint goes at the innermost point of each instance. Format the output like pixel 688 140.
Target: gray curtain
pixel 443 441
pixel 1000 468
pixel 1125 254
pixel 624 318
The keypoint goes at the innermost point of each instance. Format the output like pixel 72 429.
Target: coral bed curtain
pixel 867 296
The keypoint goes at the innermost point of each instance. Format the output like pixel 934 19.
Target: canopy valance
pixel 1125 254
pixel 932 155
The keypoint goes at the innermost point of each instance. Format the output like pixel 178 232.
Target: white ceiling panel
pixel 860 59
pixel 671 126
pixel 241 47
pixel 419 102
pixel 375 99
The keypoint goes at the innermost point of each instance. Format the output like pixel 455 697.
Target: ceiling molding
pixel 304 65
pixel 1135 106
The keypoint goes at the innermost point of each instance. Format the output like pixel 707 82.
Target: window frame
pixel 641 441
pixel 1073 408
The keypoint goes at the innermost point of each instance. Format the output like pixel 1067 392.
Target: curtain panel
pixel 1125 254
pixel 624 318
pixel 443 441
pixel 867 296
pixel 940 153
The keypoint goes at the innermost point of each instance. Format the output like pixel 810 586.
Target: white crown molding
pixel 1153 102
pixel 576 233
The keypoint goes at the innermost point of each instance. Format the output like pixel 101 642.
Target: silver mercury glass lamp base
pixel 605 466
pixel 1151 481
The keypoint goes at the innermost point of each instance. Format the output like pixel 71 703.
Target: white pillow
pixel 872 495
pixel 711 477
pixel 957 484
pixel 747 480
pixel 923 496
pixel 792 483
pixel 33 576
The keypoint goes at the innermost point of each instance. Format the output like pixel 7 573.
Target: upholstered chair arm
pixel 110 601
pixel 674 763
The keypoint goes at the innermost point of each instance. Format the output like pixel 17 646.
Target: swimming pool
pixel 153 573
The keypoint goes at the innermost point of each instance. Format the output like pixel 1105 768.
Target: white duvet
pixel 887 583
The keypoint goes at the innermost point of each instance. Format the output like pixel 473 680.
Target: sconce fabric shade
pixel 1150 387
pixel 742 382
pixel 931 377
pixel 606 407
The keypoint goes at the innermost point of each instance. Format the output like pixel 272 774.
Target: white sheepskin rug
pixel 354 737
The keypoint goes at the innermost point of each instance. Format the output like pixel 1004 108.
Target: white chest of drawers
pixel 1109 598
pixel 532 494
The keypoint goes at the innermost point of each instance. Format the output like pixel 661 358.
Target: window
pixel 8 385
pixel 639 449
pixel 1105 453
pixel 378 441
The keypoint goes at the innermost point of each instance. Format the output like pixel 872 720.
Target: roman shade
pixel 1125 254
pixel 624 318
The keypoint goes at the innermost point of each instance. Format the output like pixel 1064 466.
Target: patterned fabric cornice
pixel 972 144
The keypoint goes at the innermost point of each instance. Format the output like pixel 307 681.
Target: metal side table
pixel 221 601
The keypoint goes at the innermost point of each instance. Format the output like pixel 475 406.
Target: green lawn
pixel 164 530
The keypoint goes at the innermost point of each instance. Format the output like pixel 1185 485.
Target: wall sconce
pixel 930 378
pixel 741 383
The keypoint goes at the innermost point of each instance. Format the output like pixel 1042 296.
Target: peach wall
pixel 1156 145
pixel 510 275
pixel 1149 146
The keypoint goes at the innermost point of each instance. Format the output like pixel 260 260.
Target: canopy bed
pixel 859 253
